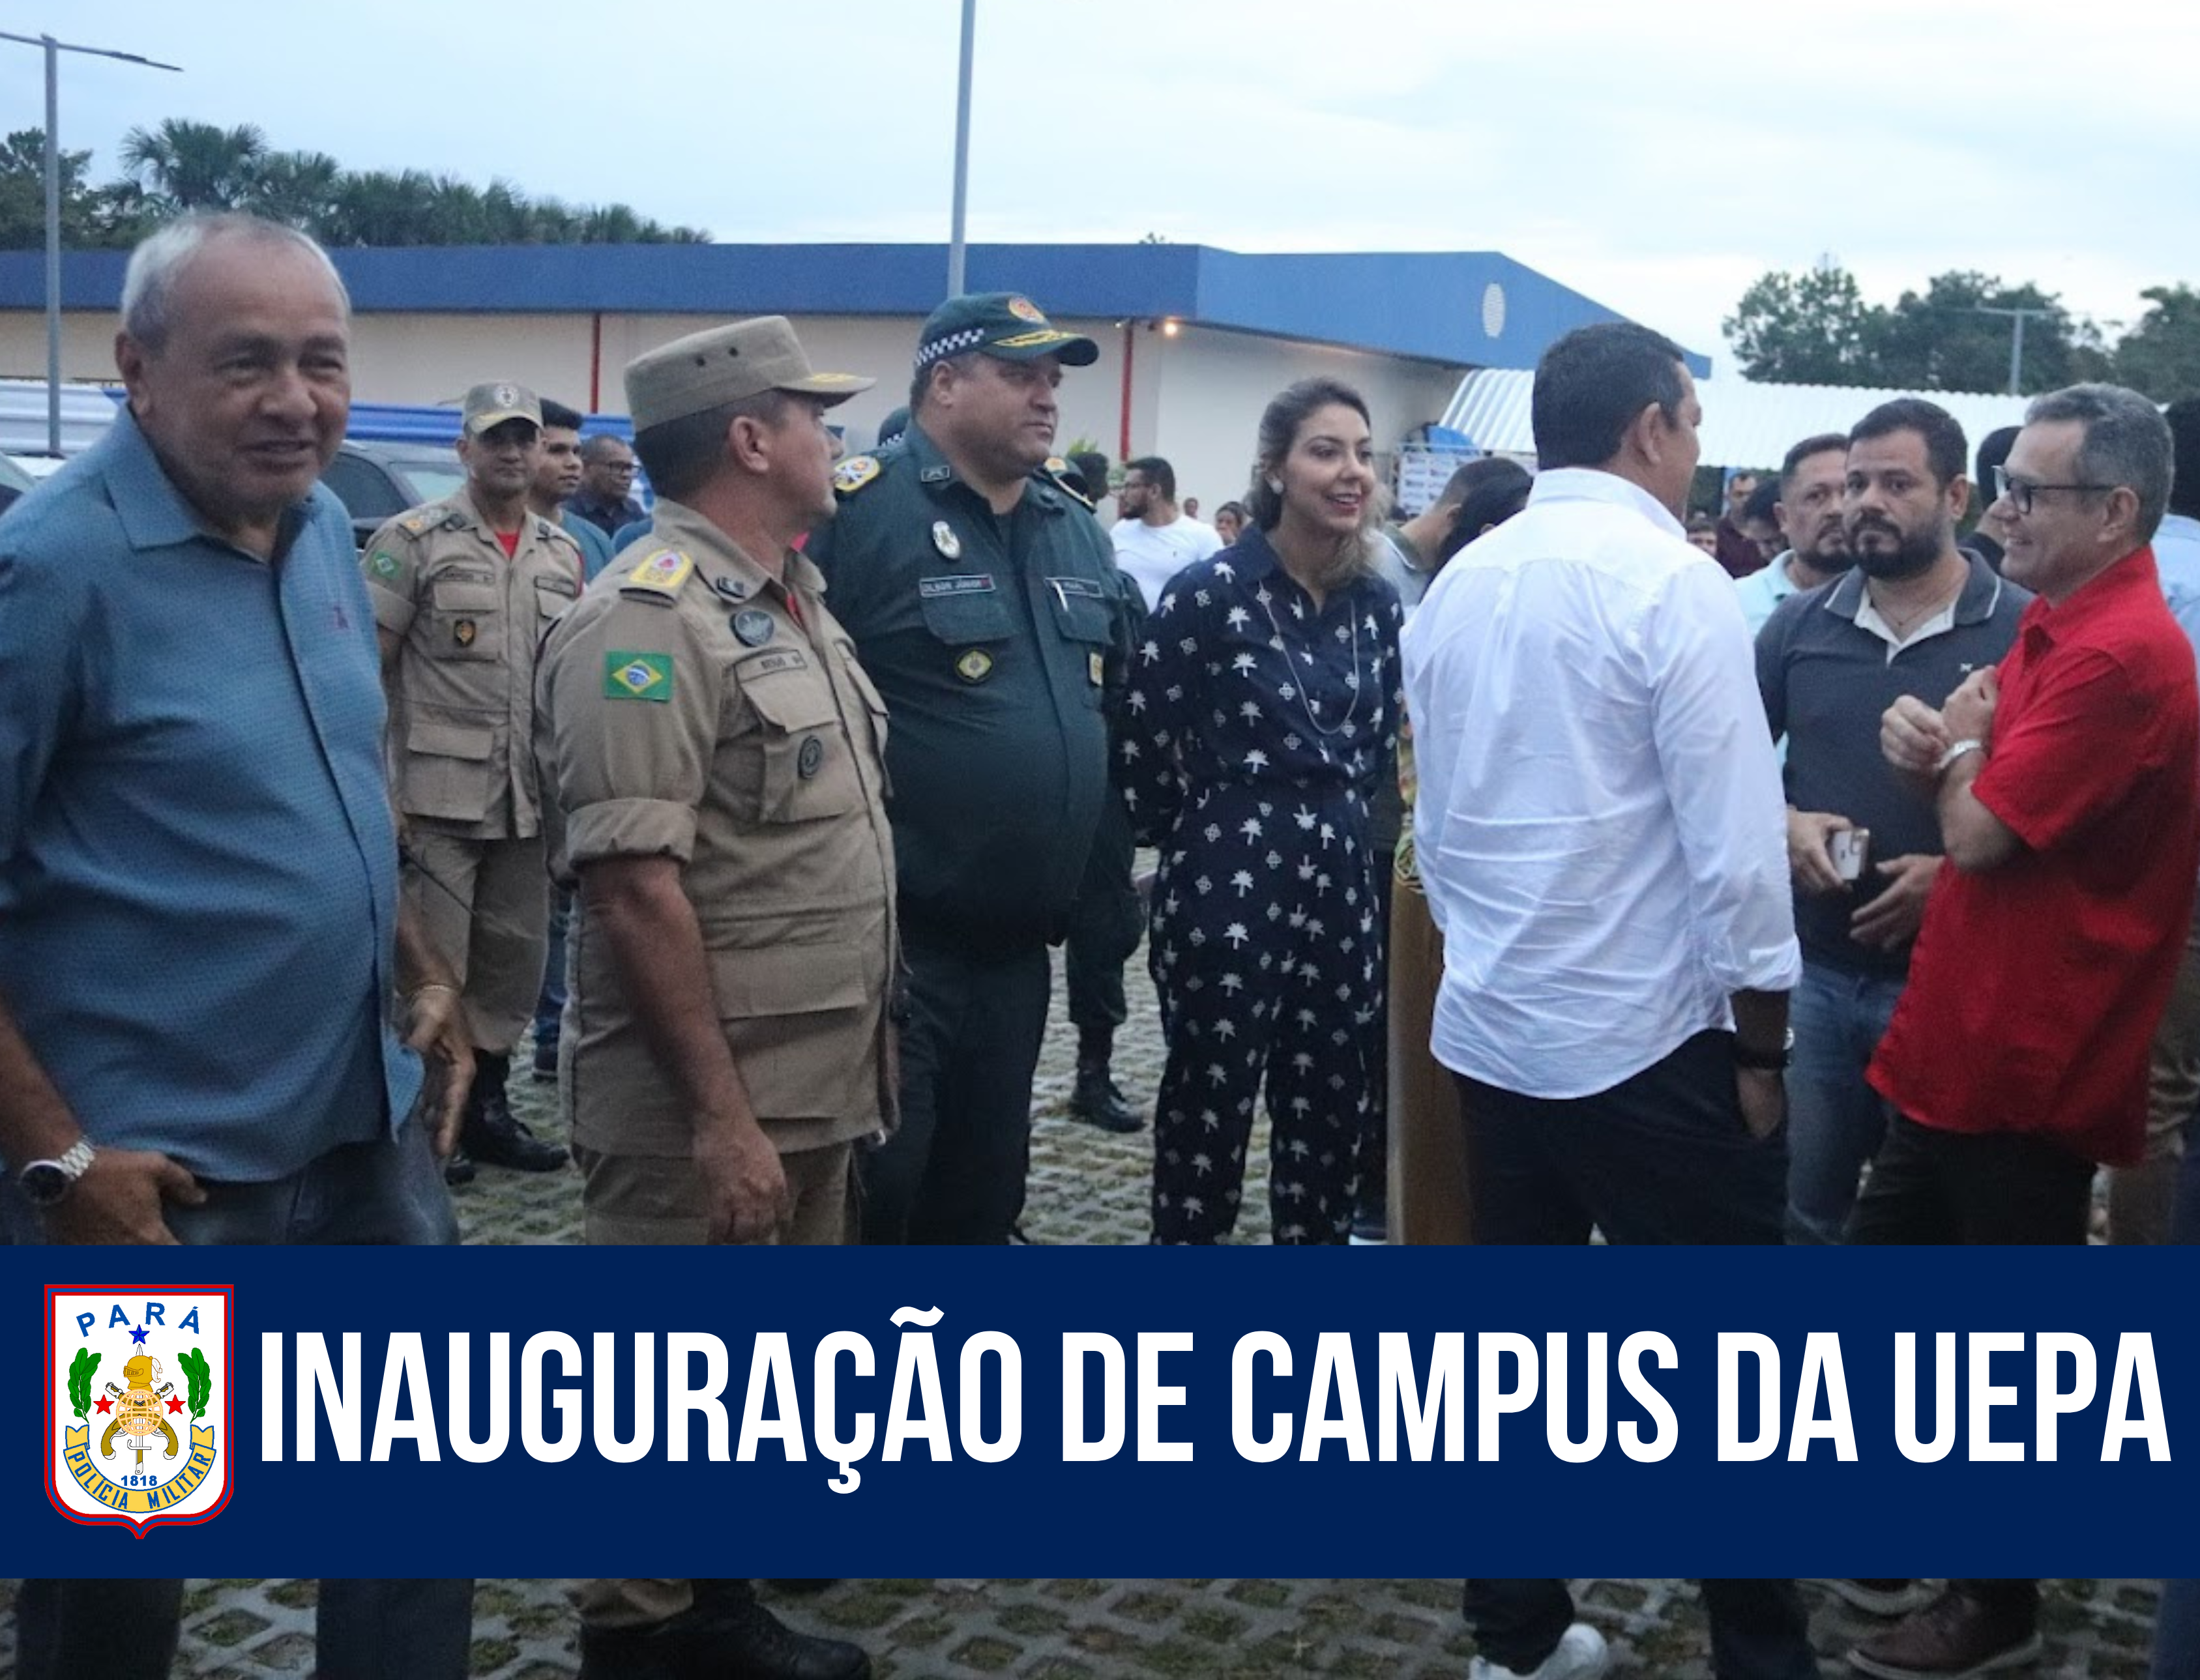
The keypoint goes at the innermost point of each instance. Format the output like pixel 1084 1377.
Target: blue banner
pixel 1102 1412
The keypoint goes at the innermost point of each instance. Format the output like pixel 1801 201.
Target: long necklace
pixel 1900 624
pixel 1306 705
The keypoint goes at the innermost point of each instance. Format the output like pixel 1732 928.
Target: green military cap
pixel 1005 324
pixel 492 405
pixel 723 365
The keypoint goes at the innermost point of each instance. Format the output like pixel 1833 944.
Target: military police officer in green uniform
pixel 979 589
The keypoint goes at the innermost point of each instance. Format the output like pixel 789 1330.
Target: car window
pixel 365 490
pixel 430 480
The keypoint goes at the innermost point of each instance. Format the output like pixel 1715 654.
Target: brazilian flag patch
pixel 638 676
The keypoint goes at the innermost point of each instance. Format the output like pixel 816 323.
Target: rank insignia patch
pixel 974 666
pixel 664 571
pixel 139 1414
pixel 638 676
pixel 854 473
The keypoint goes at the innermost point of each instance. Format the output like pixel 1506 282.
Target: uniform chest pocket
pixel 550 597
pixel 466 619
pixel 793 757
pixel 1082 616
pixel 962 618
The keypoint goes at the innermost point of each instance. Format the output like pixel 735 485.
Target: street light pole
pixel 2016 341
pixel 53 50
pixel 956 248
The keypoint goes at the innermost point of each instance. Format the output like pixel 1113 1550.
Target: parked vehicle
pixel 376 481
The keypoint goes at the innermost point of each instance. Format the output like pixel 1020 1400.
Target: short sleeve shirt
pixel 695 708
pixel 2035 988
pixel 468 619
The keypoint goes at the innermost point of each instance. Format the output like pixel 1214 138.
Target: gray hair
pixel 2125 443
pixel 148 284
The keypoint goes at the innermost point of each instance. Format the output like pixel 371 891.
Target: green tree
pixel 2161 354
pixel 196 165
pixel 299 188
pixel 1942 339
pixel 23 192
pixel 1810 327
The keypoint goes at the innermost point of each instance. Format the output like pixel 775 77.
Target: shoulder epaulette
pixel 659 575
pixel 1059 472
pixel 854 473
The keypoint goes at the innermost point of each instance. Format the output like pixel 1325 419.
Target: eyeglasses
pixel 2021 493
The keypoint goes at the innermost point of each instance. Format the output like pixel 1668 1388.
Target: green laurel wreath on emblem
pixel 201 1389
pixel 80 1380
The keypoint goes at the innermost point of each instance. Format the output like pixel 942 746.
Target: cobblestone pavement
pixel 1221 1629
pixel 1086 1185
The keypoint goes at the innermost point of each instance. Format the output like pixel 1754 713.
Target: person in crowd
pixel 1990 536
pixel 606 498
pixel 2142 1198
pixel 1702 531
pixel 1263 710
pixel 979 590
pixel 1230 521
pixel 892 427
pixel 463 589
pixel 1428 1171
pixel 262 1092
pixel 718 757
pixel 1524 1629
pixel 1409 551
pixel 1914 617
pixel 557 479
pixel 1153 539
pixel 1760 520
pixel 2063 782
pixel 1599 833
pixel 1808 510
pixel 1738 552
pixel 1191 507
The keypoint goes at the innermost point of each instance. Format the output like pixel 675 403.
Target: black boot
pixel 726 1635
pixel 1096 1099
pixel 492 1133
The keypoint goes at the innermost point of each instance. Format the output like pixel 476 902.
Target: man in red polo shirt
pixel 2066 788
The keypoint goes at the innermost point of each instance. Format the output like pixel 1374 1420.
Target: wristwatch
pixel 45 1184
pixel 1764 1061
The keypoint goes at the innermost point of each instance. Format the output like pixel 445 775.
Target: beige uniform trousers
pixel 657 1200
pixel 1430 1174
pixel 2140 1196
pixel 486 903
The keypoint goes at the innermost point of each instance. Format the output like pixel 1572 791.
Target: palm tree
pixel 299 188
pixel 196 165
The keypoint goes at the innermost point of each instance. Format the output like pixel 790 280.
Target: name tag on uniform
pixel 967 583
pixel 765 664
pixel 1077 586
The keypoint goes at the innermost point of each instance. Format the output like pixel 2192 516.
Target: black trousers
pixel 955 1171
pixel 1933 1186
pixel 1663 1157
pixel 1759 1629
pixel 1104 925
pixel 365 1629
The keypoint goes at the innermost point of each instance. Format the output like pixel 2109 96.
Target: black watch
pixel 45 1184
pixel 1764 1061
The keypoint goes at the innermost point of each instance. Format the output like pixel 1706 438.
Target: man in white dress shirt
pixel 1153 540
pixel 1602 836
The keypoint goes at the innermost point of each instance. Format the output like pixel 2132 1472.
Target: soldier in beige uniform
pixel 717 758
pixel 463 589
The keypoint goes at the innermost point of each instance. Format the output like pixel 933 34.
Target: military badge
pixel 463 632
pixel 382 563
pixel 753 627
pixel 506 397
pixel 807 760
pixel 854 473
pixel 1025 310
pixel 663 572
pixel 944 540
pixel 147 1442
pixel 732 588
pixel 1095 668
pixel 638 676
pixel 974 666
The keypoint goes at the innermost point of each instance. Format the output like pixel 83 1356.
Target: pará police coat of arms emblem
pixel 138 1411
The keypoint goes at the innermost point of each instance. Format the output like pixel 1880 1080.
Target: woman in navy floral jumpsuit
pixel 1263 706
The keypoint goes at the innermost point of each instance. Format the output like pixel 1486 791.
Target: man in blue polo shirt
pixel 201 943
pixel 1916 616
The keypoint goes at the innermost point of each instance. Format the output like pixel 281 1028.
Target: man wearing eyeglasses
pixel 606 499
pixel 2064 781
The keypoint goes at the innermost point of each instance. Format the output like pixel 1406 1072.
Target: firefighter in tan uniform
pixel 463 589
pixel 717 760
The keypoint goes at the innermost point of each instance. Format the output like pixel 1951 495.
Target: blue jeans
pixel 550 1008
pixel 1835 1120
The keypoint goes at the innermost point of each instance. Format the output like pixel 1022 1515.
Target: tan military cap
pixel 706 369
pixel 492 405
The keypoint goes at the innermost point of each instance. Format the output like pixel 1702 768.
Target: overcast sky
pixel 1657 157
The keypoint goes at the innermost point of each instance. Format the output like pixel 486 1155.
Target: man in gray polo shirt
pixel 1916 616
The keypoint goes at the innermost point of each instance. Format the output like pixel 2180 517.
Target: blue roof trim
pixel 1435 305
